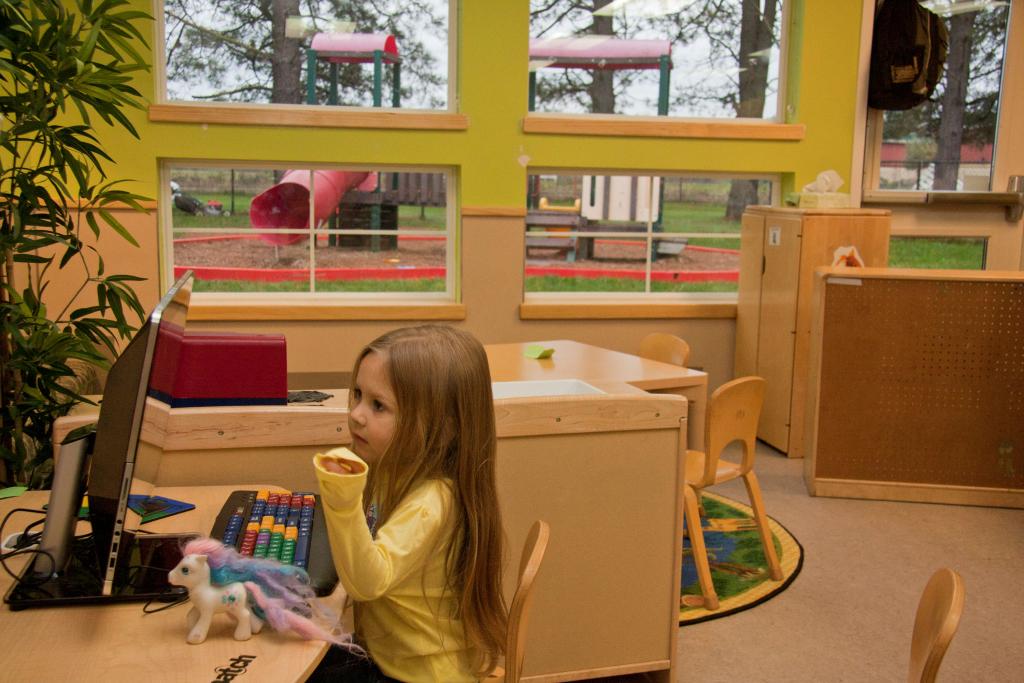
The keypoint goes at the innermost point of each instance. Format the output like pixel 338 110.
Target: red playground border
pixel 326 274
pixel 415 272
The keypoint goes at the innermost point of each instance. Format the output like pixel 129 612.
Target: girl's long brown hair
pixel 445 430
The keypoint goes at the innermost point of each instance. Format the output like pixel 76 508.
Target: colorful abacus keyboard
pixel 272 525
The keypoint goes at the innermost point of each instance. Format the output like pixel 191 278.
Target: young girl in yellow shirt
pixel 412 514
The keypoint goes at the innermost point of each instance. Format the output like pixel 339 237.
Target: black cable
pixel 21 551
pixel 167 592
pixel 26 538
pixel 8 516
pixel 34 551
pixel 180 601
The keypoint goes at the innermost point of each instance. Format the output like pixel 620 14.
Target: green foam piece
pixel 12 491
pixel 538 351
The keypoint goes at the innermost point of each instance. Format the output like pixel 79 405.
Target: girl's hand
pixel 341 466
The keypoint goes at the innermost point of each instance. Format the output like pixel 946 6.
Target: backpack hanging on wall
pixel 908 53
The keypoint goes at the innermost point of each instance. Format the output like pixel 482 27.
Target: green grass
pixel 434 217
pixel 412 285
pixel 550 283
pixel 933 252
pixel 712 286
pixel 723 243
pixel 693 217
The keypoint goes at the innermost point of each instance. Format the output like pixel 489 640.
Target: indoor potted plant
pixel 64 65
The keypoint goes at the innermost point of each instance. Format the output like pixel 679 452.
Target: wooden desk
pixel 118 642
pixel 603 470
pixel 270 438
pixel 573 360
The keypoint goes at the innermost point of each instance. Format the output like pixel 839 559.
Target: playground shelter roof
pixel 599 52
pixel 354 48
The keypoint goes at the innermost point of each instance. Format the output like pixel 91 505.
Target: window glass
pixel 947 142
pixel 303 230
pixel 938 252
pixel 645 57
pixel 248 51
pixel 636 233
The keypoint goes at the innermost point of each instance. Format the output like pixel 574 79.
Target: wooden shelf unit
pixel 780 248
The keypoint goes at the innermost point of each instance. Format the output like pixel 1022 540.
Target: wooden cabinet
pixel 780 248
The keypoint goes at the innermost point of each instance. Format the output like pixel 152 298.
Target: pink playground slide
pixel 286 205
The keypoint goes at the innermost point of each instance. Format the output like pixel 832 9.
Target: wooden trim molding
pixel 920 274
pixel 870 196
pixel 625 311
pixel 146 204
pixel 284 310
pixel 662 127
pixel 918 493
pixel 305 115
pixel 494 211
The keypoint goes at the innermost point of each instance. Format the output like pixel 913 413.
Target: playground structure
pixel 287 203
pixel 610 203
pixel 354 48
pixel 353 199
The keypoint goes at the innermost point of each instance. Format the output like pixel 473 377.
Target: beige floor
pixel 849 614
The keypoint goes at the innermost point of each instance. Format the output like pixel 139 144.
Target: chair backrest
pixel 938 616
pixel 732 415
pixel 519 612
pixel 665 347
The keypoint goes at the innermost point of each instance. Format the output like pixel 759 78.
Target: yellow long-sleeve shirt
pixel 397 579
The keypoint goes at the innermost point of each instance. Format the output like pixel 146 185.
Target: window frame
pixel 778 126
pixel 872 120
pixel 945 215
pixel 164 109
pixel 615 304
pixel 313 304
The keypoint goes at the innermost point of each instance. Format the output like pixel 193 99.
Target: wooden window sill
pixel 893 197
pixel 306 115
pixel 662 127
pixel 624 311
pixel 287 310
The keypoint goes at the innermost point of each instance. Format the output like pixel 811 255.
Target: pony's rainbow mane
pixel 281 592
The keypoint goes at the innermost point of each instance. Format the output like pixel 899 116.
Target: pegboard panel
pixel 922 381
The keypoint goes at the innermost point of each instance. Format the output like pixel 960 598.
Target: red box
pixel 219 369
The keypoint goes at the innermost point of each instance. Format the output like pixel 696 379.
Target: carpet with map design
pixel 738 567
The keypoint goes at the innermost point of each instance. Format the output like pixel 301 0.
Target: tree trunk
pixel 954 100
pixel 286 60
pixel 602 87
pixel 756 34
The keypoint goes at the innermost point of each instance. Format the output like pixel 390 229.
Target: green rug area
pixel 738 568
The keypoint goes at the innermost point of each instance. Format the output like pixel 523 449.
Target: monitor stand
pixel 67 570
pixel 143 578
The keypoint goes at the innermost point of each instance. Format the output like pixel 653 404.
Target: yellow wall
pixel 487 158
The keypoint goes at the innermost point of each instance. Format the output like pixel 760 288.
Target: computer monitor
pixel 116 563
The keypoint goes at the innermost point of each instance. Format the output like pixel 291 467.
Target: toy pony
pixel 252 591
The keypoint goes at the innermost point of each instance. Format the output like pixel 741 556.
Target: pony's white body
pixel 193 573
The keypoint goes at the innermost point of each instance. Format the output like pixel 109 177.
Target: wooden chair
pixel 938 616
pixel 666 348
pixel 732 415
pixel 519 611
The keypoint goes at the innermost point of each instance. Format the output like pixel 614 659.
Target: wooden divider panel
pixel 922 381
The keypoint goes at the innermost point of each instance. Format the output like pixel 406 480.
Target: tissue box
pixel 825 200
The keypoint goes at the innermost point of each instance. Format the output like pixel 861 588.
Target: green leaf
pixel 90 219
pixel 30 258
pixel 64 64
pixel 116 225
